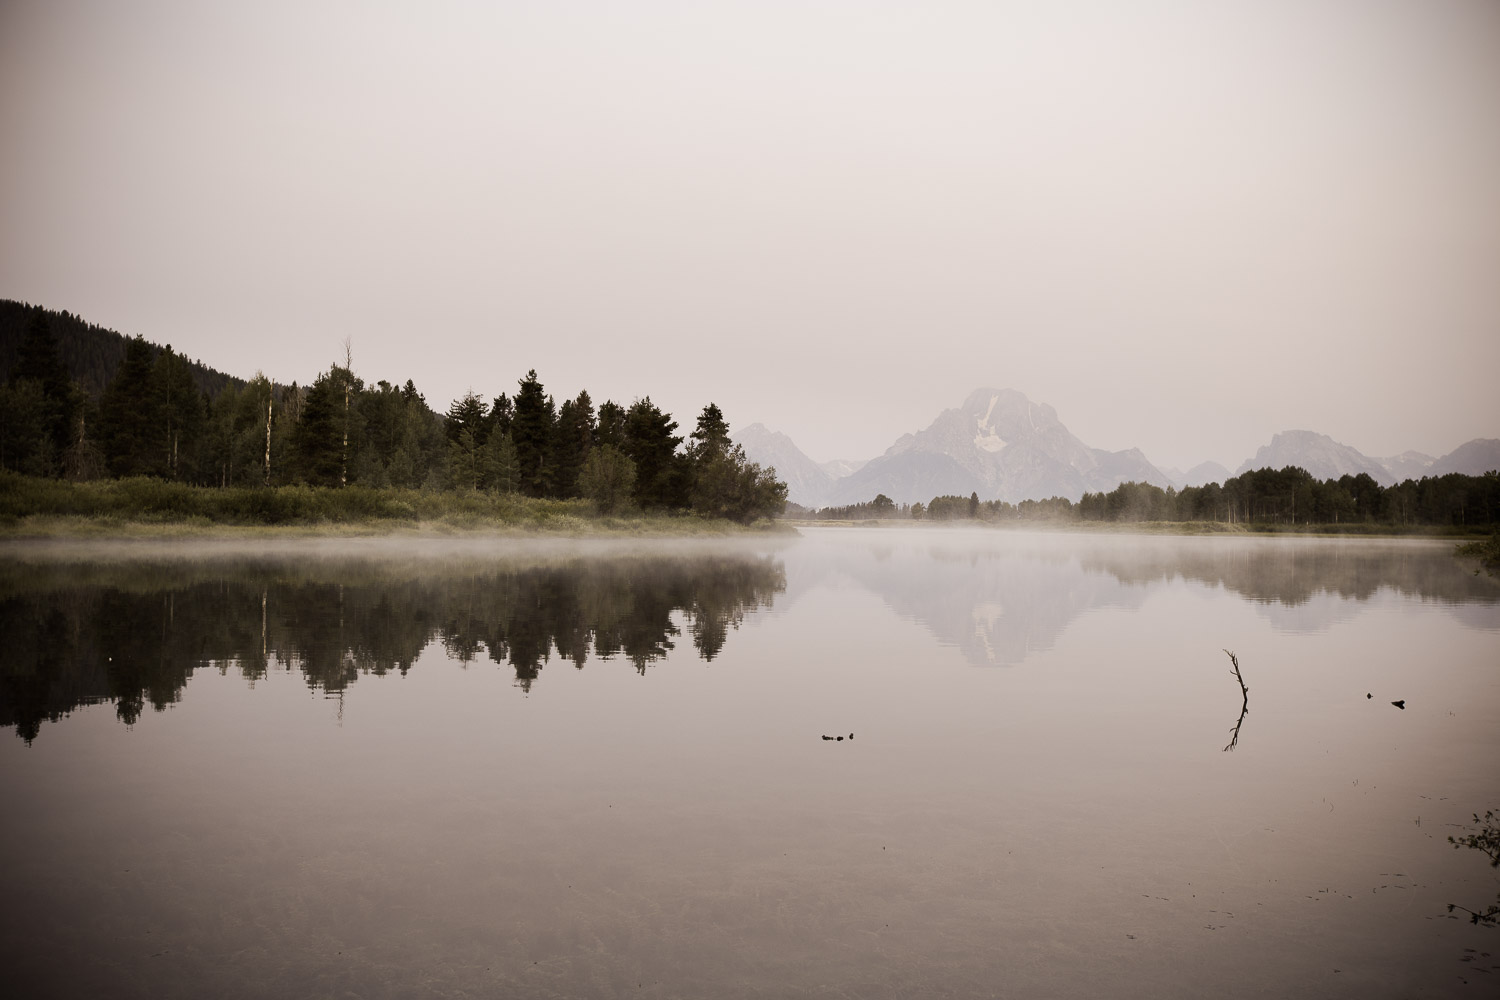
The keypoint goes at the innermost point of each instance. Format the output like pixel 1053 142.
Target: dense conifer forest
pixel 83 403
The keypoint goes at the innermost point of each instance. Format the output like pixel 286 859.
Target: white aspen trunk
pixel 268 439
pixel 348 385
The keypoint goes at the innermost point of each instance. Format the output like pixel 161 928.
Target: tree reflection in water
pixel 132 633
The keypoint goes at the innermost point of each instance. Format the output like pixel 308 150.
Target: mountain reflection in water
pixel 1072 827
pixel 132 632
pixel 1002 596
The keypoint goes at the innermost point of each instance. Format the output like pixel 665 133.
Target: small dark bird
pixel 839 738
pixel 1400 704
pixel 830 737
pixel 1368 696
pixel 851 736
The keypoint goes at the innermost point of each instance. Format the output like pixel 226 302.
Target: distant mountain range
pixel 1003 446
pixel 1326 458
pixel 998 444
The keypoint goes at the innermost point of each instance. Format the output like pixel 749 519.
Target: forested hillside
pixel 81 402
pixel 90 353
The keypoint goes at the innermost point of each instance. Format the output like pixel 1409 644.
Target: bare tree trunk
pixel 268 439
pixel 348 385
pixel 1245 694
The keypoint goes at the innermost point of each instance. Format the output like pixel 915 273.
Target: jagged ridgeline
pixel 80 402
pixel 132 633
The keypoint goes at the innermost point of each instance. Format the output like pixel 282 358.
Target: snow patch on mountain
pixel 1000 445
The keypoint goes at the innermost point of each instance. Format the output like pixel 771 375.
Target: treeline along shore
pixel 1261 500
pixel 93 424
pixel 98 426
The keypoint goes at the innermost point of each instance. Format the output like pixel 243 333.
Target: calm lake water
pixel 501 768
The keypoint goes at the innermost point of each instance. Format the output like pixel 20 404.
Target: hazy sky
pixel 1185 225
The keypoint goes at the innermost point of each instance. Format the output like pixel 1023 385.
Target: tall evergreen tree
pixel 502 469
pixel 574 440
pixel 285 434
pixel 611 424
pixel 466 462
pixel 317 439
pixel 182 413
pixel 25 442
pixel 502 412
pixel 410 441
pixel 38 359
pixel 725 483
pixel 468 414
pixel 660 473
pixel 531 430
pixel 129 416
pixel 711 437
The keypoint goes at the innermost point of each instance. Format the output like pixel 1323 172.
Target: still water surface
pixel 598 769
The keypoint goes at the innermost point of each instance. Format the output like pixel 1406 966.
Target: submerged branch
pixel 1245 708
pixel 1487 842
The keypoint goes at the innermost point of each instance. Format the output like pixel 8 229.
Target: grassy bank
pixel 31 508
pixel 1486 550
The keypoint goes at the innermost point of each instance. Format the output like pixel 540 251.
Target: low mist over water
pixel 446 768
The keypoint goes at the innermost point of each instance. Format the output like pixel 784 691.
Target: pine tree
pixel 531 430
pixel 467 414
pixel 182 413
pixel 129 416
pixel 611 425
pixel 502 412
pixel 574 440
pixel 465 469
pixel 502 468
pixel 660 474
pixel 317 438
pixel 711 437
pixel 39 359
pixel 25 443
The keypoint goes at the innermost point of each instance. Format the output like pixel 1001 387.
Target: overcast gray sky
pixel 1185 225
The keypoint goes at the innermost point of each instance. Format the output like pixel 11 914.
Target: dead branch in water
pixel 1244 691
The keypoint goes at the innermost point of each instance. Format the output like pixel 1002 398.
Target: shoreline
pixel 42 528
pixel 1178 528
pixel 579 524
